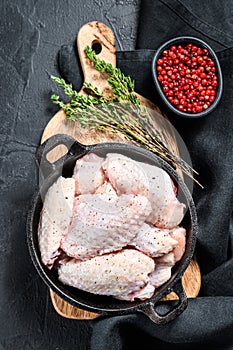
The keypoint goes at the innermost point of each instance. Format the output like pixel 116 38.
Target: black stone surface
pixel 31 34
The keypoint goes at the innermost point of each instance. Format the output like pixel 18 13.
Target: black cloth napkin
pixel 209 139
pixel 207 323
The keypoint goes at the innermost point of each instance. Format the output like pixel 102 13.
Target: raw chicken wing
pixel 101 223
pixel 126 175
pixel 129 176
pixel 154 241
pixel 142 294
pixel 115 274
pixel 55 218
pixel 180 236
pixel 160 275
pixel 166 259
pixel 88 174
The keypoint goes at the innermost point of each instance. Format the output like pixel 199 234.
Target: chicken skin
pixel 102 224
pixel 88 173
pixel 115 274
pixel 154 241
pixel 55 219
pixel 129 176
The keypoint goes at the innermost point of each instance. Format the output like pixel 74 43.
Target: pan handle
pixel 73 146
pixel 149 310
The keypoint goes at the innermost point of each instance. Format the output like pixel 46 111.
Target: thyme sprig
pixel 122 86
pixel 121 113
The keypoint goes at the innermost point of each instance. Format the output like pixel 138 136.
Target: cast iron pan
pixel 104 304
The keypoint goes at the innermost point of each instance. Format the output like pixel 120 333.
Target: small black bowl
pixel 184 40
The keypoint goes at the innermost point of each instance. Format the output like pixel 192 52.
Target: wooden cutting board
pixel 98 36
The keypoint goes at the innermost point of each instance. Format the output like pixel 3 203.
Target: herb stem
pixel 122 113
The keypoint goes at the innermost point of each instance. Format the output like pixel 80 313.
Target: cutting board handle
pixel 101 39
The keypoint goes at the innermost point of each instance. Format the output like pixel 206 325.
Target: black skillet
pixel 104 304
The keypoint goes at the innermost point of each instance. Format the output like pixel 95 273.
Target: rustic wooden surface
pixel 89 34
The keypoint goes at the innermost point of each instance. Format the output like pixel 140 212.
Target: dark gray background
pixel 31 33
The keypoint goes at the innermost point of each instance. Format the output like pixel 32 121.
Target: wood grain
pixel 69 311
pixel 89 34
